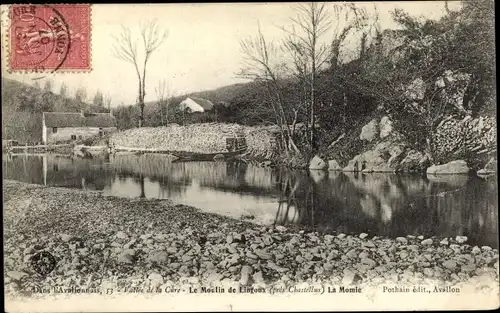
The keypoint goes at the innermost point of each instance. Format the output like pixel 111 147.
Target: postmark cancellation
pixel 49 38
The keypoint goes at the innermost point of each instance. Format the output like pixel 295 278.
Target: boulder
pixel 416 89
pixel 369 161
pixel 333 165
pixel 383 158
pixel 369 131
pixel 489 168
pixel 453 167
pixel 414 161
pixel 317 163
pixel 385 127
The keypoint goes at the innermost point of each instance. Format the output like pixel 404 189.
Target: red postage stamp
pixel 50 37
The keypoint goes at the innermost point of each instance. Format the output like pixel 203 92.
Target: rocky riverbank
pixel 103 242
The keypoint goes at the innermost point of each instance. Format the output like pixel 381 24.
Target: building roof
pixel 204 103
pixel 63 119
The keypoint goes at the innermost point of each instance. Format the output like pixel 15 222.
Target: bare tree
pixel 125 48
pixel 310 50
pixel 163 98
pixel 261 64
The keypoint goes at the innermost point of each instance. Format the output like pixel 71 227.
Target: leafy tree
pixel 81 95
pixel 48 86
pixel 98 99
pixel 63 91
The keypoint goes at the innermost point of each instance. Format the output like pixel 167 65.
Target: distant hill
pixel 22 107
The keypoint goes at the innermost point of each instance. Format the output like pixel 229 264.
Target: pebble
pixel 444 242
pixel 299 259
pixel 171 250
pixel 352 254
pixel 369 244
pixel 402 240
pixel 461 239
pixel 258 277
pixel 427 242
pixel 450 264
pixel 476 250
pixel 16 275
pixel 29 250
pixel 121 235
pixel 328 238
pixel 281 229
pixel 229 239
pixel 67 238
pixel 252 255
pixel 368 262
pixel 239 238
pixel 263 254
pixel 363 235
pixel 126 258
pixel 349 277
pixel 158 256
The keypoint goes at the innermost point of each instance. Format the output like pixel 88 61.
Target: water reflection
pixel 380 204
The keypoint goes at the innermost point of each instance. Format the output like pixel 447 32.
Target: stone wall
pixel 469 138
pixel 205 137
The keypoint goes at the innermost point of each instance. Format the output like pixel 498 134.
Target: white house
pixel 192 104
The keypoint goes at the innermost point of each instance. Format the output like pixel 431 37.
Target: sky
pixel 201 51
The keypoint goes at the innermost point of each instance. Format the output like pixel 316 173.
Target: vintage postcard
pixel 336 156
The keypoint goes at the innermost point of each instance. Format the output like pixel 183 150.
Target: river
pixel 378 204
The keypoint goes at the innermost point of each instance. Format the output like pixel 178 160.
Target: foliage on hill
pixel 23 105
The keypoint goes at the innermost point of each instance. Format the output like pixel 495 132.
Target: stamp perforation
pixel 10 68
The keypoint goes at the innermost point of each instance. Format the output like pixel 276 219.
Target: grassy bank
pixel 109 242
